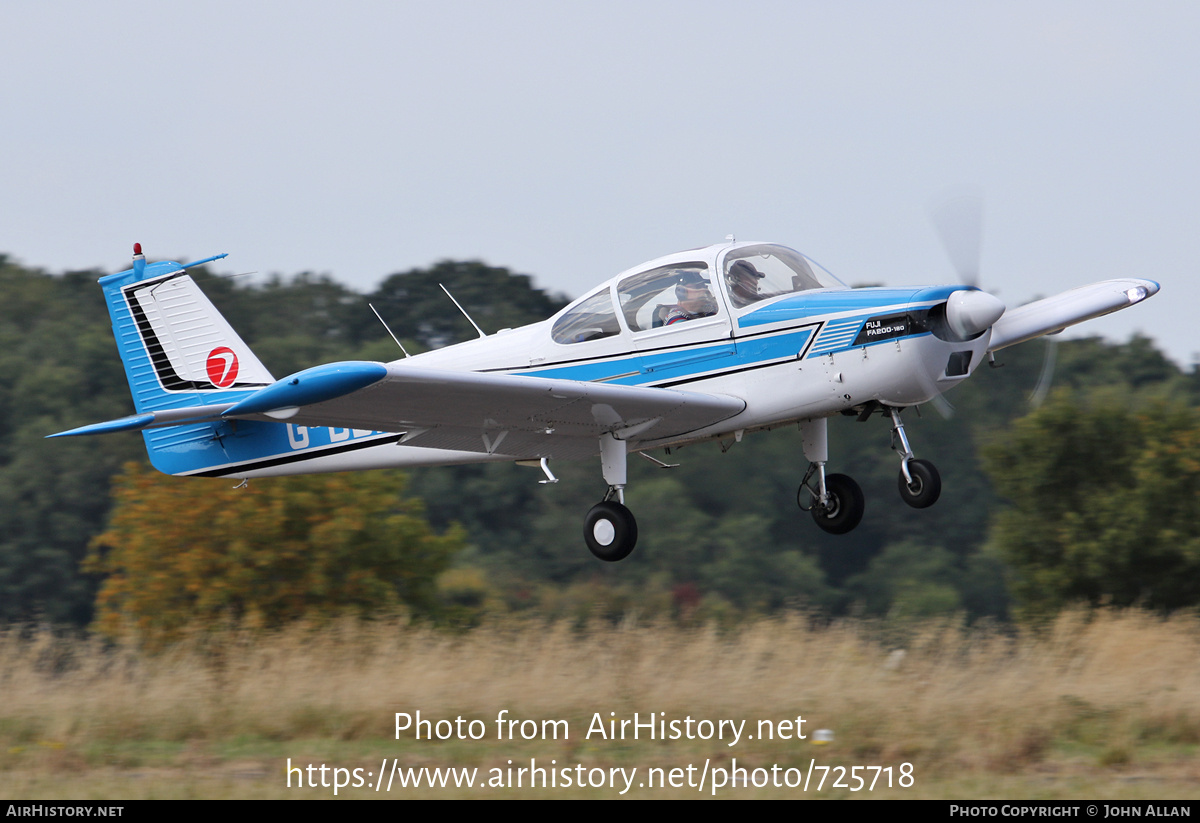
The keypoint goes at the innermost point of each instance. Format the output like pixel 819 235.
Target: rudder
pixel 177 348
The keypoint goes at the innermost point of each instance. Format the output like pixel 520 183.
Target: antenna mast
pixel 389 330
pixel 464 311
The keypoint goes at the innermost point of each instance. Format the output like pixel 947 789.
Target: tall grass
pixel 1089 693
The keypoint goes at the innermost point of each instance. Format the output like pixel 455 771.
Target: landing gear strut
pixel 919 482
pixel 610 529
pixel 835 500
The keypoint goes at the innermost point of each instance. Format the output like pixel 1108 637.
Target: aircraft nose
pixel 970 312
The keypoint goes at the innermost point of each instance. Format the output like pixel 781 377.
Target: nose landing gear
pixel 919 482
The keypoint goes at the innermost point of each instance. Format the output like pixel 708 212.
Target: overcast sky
pixel 570 140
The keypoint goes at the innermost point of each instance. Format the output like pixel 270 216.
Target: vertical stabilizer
pixel 179 352
pixel 177 348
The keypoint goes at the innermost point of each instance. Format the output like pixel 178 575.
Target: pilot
pixel 695 299
pixel 742 279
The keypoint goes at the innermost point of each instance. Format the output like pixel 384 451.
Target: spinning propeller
pixel 959 223
pixel 958 220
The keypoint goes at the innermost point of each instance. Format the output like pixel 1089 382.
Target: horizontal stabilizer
pixel 135 422
pixel 149 420
pixel 1053 314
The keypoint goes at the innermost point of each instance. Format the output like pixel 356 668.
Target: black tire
pixel 845 510
pixel 926 486
pixel 610 531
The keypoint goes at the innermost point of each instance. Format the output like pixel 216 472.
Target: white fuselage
pixel 808 353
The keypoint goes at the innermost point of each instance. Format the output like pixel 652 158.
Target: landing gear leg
pixel 919 482
pixel 835 500
pixel 610 529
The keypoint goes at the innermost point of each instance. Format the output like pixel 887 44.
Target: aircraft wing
pixel 485 412
pixel 1053 314
pixel 482 411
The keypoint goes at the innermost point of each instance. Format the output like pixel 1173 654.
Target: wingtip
pixel 1142 290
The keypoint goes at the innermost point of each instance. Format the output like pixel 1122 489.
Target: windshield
pixel 592 319
pixel 755 273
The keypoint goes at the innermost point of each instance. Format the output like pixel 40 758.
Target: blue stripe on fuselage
pixel 809 305
pixel 666 366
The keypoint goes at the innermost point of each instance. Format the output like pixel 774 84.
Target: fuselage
pixel 789 340
pixel 808 352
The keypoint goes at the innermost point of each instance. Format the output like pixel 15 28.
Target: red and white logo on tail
pixel 222 367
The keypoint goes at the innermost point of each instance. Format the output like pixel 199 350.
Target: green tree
pixel 58 369
pixel 1105 504
pixel 414 305
pixel 180 552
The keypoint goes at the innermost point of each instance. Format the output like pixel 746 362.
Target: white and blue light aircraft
pixel 704 344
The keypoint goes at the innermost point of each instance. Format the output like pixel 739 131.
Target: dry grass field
pixel 1103 705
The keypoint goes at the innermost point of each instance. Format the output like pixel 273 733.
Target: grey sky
pixel 571 140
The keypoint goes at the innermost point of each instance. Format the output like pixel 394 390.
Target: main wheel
pixel 926 485
pixel 610 531
pixel 846 505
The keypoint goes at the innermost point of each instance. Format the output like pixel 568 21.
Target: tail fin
pixel 188 369
pixel 185 367
pixel 177 349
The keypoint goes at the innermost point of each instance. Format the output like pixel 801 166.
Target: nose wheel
pixel 920 484
pixel 922 487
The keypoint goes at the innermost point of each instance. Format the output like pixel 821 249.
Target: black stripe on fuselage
pixel 269 462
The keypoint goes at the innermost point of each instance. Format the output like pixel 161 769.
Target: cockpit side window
pixel 667 296
pixel 755 273
pixel 592 319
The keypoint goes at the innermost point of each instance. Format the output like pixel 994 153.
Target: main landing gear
pixel 610 529
pixel 836 501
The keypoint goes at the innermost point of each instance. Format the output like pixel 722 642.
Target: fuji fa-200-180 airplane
pixel 704 344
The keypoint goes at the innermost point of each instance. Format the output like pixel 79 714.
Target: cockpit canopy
pixel 686 288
